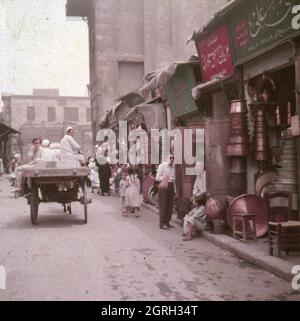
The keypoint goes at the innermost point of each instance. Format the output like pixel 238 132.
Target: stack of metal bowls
pixel 238 147
pixel 287 174
pixel 261 141
pixel 238 144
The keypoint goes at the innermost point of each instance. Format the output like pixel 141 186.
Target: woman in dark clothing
pixel 104 176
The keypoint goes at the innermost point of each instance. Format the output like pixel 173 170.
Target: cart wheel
pixel 85 201
pixel 34 204
pixel 69 208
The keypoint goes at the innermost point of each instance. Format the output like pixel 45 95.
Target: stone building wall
pixel 129 38
pixel 16 116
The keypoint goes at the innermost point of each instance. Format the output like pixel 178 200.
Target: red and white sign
pixel 242 34
pixel 215 55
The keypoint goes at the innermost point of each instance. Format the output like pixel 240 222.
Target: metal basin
pixel 251 204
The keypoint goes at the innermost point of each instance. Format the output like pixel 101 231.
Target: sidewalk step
pixel 272 264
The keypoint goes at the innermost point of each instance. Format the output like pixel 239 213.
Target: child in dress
pixel 122 191
pixel 132 196
pixel 94 177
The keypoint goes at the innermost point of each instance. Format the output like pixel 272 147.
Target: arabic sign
pixel 262 24
pixel 179 89
pixel 215 55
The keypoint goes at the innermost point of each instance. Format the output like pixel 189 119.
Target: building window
pixel 51 114
pixel 30 113
pixel 71 114
pixel 89 114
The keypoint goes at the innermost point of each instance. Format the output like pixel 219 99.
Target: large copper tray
pixel 148 182
pixel 254 205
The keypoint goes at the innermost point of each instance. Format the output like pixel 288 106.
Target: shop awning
pixel 159 78
pixel 130 100
pixel 154 115
pixel 199 89
pixel 6 130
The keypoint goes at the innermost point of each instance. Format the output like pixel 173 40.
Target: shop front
pixel 185 115
pixel 266 52
pixel 148 116
pixel 261 142
pixel 220 86
pixel 7 148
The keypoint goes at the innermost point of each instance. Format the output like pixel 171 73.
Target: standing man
pixel 70 149
pixel 1 167
pixel 166 192
pixel 104 171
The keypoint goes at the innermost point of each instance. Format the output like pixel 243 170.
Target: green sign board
pixel 260 24
pixel 179 91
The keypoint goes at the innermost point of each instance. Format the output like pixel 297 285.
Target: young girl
pixel 132 195
pixel 94 177
pixel 122 191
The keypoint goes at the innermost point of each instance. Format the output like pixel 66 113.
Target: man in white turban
pixel 200 183
pixel 70 149
pixel 199 188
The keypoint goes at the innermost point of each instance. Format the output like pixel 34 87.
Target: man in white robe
pixel 70 149
pixel 47 154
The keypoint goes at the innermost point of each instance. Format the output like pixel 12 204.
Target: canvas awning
pixel 198 91
pixel 159 78
pixel 154 115
pixel 6 130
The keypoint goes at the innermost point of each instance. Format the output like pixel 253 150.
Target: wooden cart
pixel 59 185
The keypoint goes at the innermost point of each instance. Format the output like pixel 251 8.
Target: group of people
pixel 128 182
pixel 191 210
pixel 126 179
pixel 43 151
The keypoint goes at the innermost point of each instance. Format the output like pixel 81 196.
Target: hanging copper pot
pixel 239 140
pixel 261 156
pixel 260 130
pixel 260 137
pixel 238 106
pixel 237 150
pixel 260 112
pixel 261 149
pixel 238 116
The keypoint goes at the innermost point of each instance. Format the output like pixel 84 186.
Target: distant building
pixel 46 114
pixel 130 38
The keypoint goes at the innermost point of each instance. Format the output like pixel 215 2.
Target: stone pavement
pixel 252 252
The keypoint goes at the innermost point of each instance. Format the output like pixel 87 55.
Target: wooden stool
pixel 284 236
pixel 244 219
